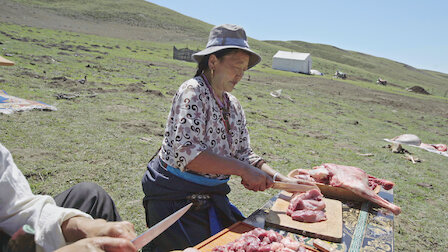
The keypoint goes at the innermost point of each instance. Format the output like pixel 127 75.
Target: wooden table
pixel 365 227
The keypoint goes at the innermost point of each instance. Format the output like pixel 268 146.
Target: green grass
pixel 161 24
pixel 138 13
pixel 109 138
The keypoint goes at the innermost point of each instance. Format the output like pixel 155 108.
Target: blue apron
pixel 168 189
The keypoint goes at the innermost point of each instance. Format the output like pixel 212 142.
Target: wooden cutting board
pixel 337 192
pixel 330 229
pixel 230 234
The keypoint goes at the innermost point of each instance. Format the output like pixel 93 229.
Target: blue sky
pixel 411 32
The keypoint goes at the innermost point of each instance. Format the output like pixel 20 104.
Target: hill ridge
pixel 142 20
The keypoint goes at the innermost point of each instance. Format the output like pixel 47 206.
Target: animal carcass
pixel 353 179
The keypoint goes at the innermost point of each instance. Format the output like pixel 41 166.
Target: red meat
pixel 260 240
pixel 307 207
pixel 439 147
pixel 309 216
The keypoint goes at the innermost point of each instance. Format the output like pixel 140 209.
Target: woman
pixel 206 141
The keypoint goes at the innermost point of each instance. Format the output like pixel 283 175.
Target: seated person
pixel 54 221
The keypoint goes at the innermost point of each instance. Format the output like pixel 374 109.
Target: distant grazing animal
pixel 83 81
pixel 381 81
pixel 340 75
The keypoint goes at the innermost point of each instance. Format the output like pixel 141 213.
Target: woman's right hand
pixel 255 179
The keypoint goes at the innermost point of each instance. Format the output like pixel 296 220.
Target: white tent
pixel 292 61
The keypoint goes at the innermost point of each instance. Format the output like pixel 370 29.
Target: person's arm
pixel 50 222
pixel 280 177
pixel 246 153
pixel 100 244
pixel 272 172
pixel 77 228
pixel 252 178
pixel 17 200
pixel 19 206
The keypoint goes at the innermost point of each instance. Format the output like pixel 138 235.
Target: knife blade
pixel 157 229
pixel 293 187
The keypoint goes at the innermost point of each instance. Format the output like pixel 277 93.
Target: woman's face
pixel 229 70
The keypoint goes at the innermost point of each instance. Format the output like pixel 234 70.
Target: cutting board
pixel 330 229
pixel 230 234
pixel 337 192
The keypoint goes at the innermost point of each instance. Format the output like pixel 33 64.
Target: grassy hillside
pixel 108 133
pixel 130 12
pixel 368 68
pixel 128 19
pixel 138 19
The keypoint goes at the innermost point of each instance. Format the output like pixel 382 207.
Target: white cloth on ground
pixel 443 153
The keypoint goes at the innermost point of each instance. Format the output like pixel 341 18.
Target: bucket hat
pixel 5 62
pixel 228 36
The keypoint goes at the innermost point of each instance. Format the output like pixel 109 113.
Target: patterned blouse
pixel 195 123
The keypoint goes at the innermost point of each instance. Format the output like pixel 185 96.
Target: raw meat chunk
pixel 260 240
pixel 307 207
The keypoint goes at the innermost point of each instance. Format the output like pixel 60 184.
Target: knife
pixel 291 187
pixel 157 229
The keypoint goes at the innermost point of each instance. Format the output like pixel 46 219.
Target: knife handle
pixel 293 187
pixel 323 246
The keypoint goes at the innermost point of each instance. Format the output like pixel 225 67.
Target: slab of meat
pixel 260 240
pixel 309 216
pixel 353 179
pixel 307 207
pixel 439 147
pixel 374 182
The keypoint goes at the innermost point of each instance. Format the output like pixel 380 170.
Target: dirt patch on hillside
pixel 393 85
pixel 13 12
pixel 146 127
pixel 122 109
pixel 357 78
pixel 62 81
pixel 417 89
pixel 135 88
pixel 347 91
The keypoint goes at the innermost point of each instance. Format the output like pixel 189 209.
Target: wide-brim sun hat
pixel 228 36
pixel 5 62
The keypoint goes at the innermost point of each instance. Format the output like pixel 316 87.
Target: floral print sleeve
pixel 185 127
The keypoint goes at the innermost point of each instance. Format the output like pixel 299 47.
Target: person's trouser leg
pixel 4 238
pixel 91 199
pixel 191 229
